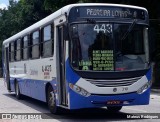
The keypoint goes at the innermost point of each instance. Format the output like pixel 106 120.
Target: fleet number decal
pixel 124 88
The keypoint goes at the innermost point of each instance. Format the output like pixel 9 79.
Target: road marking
pixel 142 111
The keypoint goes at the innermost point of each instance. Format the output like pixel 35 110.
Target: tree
pixel 19 16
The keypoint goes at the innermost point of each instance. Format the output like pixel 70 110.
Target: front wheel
pixel 51 101
pixel 114 108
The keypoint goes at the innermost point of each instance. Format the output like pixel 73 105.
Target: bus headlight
pixel 79 90
pixel 144 88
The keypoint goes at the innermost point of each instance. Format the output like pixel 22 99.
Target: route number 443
pixel 105 28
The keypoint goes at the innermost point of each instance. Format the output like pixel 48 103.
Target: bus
pixel 86 55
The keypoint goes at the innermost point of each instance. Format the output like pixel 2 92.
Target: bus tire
pixel 17 91
pixel 51 100
pixel 114 108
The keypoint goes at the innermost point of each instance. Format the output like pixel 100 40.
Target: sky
pixel 4 3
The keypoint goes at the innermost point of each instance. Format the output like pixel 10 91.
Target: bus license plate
pixel 113 102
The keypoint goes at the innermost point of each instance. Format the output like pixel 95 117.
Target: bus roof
pixel 60 12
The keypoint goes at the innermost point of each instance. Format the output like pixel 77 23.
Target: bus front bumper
pixel 78 101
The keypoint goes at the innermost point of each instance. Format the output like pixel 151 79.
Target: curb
pixel 155 90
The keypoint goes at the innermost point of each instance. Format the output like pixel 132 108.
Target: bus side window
pixel 18 50
pixel 11 51
pixel 47 41
pixel 35 45
pixel 25 55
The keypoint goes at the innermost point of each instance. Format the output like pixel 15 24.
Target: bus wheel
pixel 51 100
pixel 114 108
pixel 17 91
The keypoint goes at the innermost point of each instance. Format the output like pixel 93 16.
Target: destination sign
pixel 110 12
pixel 103 60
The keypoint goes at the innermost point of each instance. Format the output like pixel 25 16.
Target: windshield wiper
pixel 129 29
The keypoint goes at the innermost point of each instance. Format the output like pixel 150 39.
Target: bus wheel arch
pixel 51 99
pixel 17 89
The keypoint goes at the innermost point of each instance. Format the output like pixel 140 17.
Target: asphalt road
pixel 27 106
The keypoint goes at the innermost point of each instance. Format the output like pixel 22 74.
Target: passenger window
pixel 18 50
pixel 35 45
pixel 47 41
pixel 25 55
pixel 11 51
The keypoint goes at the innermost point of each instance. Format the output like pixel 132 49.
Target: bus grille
pixel 114 83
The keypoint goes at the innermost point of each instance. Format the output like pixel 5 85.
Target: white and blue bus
pixel 82 56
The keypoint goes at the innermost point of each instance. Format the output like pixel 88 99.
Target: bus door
pixel 61 67
pixel 6 67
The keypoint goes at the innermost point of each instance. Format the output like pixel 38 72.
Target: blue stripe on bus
pixel 77 101
pixel 71 76
pixel 33 88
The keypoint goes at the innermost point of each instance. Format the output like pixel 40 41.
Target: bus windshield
pixel 101 47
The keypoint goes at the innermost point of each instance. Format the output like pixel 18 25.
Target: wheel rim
pixel 51 100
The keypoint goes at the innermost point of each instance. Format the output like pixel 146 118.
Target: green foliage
pixel 19 16
pixel 53 5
